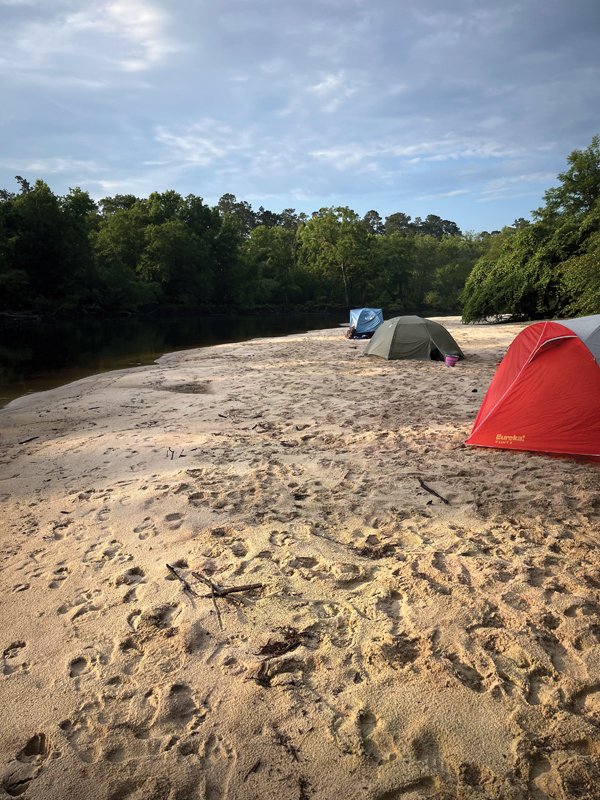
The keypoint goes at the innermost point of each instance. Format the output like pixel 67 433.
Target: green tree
pixel 335 243
pixel 373 223
pixel 118 248
pixel 399 223
pixel 49 245
pixel 270 255
pixel 548 268
pixel 580 185
pixel 435 226
pixel 239 213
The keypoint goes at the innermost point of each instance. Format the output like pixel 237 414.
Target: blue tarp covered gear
pixel 366 320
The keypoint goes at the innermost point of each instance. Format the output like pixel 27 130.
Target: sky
pixel 466 109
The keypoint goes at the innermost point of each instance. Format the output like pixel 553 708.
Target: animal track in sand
pixel 27 765
pixel 587 701
pixel 13 650
pixel 153 622
pixel 174 521
pixel 131 577
pixel 59 575
pixel 109 551
pixel 11 654
pixel 220 758
pixel 366 722
pixel 146 529
pixel 78 667
pixel 281 538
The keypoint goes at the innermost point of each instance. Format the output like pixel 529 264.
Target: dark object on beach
pixel 274 648
pixel 382 551
pixel 473 390
pixel 29 440
pixel 364 322
pixel 215 590
pixel 433 491
pixel 186 585
pixel 252 769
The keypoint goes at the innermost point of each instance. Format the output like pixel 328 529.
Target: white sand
pixel 436 651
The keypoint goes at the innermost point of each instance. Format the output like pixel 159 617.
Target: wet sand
pixel 399 647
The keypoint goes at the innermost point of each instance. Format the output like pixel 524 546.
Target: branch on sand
pixel 432 491
pixel 215 590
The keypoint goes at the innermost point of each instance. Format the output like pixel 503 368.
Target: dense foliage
pixel 552 267
pixel 71 255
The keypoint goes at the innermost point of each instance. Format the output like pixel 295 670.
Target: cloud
pixel 334 89
pixel 386 105
pixel 455 193
pixel 127 34
pixel 50 165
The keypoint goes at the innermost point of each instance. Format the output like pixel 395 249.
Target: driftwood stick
pixel 432 491
pixel 252 769
pixel 29 440
pixel 221 591
pixel 206 581
pixel 186 585
pixel 216 607
pixel 245 588
pixel 213 594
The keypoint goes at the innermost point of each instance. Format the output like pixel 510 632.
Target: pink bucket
pixel 451 361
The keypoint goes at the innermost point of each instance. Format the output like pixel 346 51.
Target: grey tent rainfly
pixel 412 337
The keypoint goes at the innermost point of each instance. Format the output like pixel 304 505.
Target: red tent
pixel 545 395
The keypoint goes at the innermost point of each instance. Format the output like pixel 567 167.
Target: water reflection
pixel 35 356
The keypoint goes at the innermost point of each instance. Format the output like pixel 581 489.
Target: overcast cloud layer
pixel 461 108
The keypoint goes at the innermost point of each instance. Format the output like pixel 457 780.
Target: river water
pixel 35 356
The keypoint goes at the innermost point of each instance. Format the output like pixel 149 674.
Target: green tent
pixel 412 337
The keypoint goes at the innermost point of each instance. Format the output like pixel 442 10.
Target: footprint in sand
pixel 220 759
pixel 366 722
pixel 78 667
pixel 14 649
pixel 59 575
pixel 27 765
pixel 131 577
pixel 146 529
pixel 12 662
pixel 281 538
pixel 174 521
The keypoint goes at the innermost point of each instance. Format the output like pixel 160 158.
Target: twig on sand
pixel 29 440
pixel 212 591
pixel 245 588
pixel 215 591
pixel 432 491
pixel 186 585
pixel 222 591
pixel 252 769
pixel 213 595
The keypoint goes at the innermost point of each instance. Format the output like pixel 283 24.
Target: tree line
pixel 550 268
pixel 69 254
